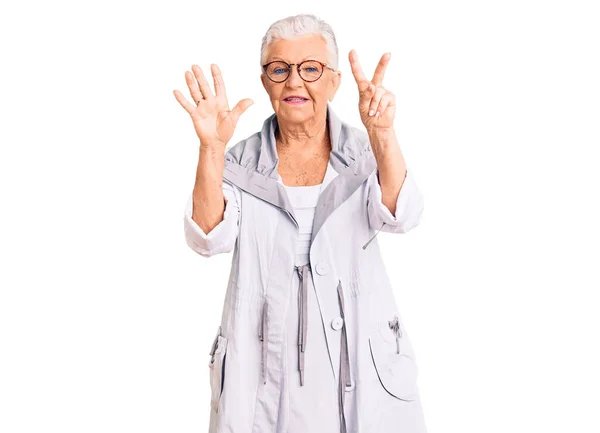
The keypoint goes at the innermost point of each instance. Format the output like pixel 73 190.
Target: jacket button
pixel 322 268
pixel 337 323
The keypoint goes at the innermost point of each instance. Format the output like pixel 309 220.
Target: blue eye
pixel 311 69
pixel 279 71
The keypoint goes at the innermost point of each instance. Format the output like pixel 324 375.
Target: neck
pixel 303 140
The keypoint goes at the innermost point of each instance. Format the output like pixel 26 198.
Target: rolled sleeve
pixel 409 206
pixel 222 238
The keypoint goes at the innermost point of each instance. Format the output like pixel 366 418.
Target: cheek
pixel 320 92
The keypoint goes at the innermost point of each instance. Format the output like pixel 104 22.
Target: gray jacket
pixel 377 368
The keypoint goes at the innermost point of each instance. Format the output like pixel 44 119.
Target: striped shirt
pixel 304 201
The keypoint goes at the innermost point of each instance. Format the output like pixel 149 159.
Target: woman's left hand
pixel 376 104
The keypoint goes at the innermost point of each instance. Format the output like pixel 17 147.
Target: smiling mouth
pixel 295 99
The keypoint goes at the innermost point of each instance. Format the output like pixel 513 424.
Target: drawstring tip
pixel 397 330
pixel 364 247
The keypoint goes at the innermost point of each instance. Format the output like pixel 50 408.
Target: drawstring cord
pixel 345 380
pixel 303 317
pixel 302 324
pixel 367 244
pixel 262 336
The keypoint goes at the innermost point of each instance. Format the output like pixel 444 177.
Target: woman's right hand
pixel 213 121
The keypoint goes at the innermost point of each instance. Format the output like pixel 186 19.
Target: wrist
pixel 382 140
pixel 212 150
pixel 381 134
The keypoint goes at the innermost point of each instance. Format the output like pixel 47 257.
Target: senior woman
pixel 311 338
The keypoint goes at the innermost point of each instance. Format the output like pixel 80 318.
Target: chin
pixel 292 111
pixel 294 117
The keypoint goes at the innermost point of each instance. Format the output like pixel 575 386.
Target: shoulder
pixel 245 152
pixel 353 145
pixel 352 133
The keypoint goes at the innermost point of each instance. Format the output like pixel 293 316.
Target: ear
pixel 334 84
pixel 263 79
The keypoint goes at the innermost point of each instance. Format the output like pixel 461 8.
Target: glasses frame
pixel 323 65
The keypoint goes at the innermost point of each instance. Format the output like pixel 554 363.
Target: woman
pixel 311 339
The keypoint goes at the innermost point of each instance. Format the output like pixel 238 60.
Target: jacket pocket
pixel 217 369
pixel 394 361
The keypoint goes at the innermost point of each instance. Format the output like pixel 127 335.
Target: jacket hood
pixel 252 164
pixel 259 152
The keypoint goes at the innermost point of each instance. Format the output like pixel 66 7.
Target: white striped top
pixel 304 201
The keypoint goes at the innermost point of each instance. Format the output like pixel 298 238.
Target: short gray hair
pixel 296 26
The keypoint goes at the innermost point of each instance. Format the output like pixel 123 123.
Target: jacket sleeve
pixel 222 238
pixel 409 206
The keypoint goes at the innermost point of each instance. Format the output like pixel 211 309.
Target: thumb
pixel 365 98
pixel 240 107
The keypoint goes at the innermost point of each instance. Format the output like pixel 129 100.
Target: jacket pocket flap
pixel 396 369
pixel 217 370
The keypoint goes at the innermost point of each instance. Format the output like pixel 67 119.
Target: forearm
pixel 390 165
pixel 208 198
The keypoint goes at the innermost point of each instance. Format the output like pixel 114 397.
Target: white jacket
pixel 379 368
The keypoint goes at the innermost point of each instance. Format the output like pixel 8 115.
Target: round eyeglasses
pixel 309 70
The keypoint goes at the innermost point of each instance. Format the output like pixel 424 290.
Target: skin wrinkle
pixel 311 172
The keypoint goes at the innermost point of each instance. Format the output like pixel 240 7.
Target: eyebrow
pixel 306 58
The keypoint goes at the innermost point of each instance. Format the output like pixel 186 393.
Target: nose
pixel 294 79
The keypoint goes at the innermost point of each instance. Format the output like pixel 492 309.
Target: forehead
pixel 296 50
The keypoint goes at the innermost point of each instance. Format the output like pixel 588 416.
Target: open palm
pixel 213 121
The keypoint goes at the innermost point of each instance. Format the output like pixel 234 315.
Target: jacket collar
pixel 346 147
pixel 252 165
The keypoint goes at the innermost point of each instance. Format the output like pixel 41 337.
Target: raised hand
pixel 376 104
pixel 213 121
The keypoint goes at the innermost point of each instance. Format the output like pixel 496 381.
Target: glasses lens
pixel 311 71
pixel 278 71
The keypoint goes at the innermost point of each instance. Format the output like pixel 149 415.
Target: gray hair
pixel 294 27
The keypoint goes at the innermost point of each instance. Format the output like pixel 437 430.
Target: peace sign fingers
pixel 376 104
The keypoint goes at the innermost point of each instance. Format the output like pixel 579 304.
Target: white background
pixel 106 316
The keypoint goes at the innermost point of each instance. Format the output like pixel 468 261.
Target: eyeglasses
pixel 309 70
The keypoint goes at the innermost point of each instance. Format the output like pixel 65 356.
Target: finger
pixel 365 98
pixel 380 70
pixel 375 100
pixel 239 108
pixel 193 86
pixel 388 100
pixel 202 83
pixel 357 71
pixel 187 106
pixel 218 80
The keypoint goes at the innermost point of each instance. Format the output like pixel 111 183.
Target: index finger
pixel 357 71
